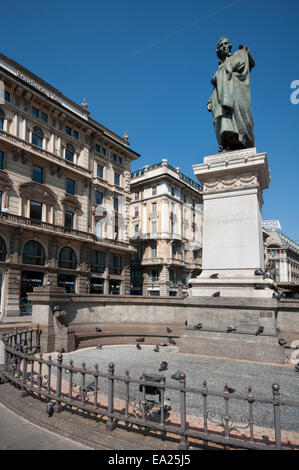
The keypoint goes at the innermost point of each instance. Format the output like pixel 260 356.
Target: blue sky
pixel 145 67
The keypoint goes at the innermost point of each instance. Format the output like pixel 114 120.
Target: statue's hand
pixel 209 106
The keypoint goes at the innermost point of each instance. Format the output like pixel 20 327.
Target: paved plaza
pixel 216 372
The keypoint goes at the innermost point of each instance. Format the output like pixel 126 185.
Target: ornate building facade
pixel 166 228
pixel 64 195
pixel 283 259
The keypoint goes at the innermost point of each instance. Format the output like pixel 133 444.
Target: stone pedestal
pixel 232 228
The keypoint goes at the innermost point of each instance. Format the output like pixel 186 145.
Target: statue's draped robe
pixel 231 101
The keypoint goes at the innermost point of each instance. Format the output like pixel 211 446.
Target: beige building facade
pixel 282 258
pixel 64 195
pixel 166 229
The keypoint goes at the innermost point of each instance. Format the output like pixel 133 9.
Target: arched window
pixel 37 136
pixel 2 250
pixel 69 153
pixel 67 258
pixel 33 253
pixel 2 116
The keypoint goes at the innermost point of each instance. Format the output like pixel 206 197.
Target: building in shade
pixel 282 259
pixel 166 229
pixel 64 195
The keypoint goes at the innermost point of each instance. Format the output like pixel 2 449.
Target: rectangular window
pixel 35 112
pixel 7 96
pixel 1 160
pixel 136 195
pixel 136 212
pixel 69 155
pixel 97 148
pixel 114 287
pixel 97 262
pixel 120 160
pixel 115 264
pixel 193 203
pixel 154 207
pixel 154 275
pixel 0 210
pixel 96 285
pixel 76 135
pixel 103 151
pixel 154 228
pixel 1 122
pixel 115 204
pixel 100 171
pixel 117 179
pixel 37 140
pixel 37 174
pixel 136 228
pixel 99 198
pixel 70 186
pixel 69 220
pixel 172 191
pixel 44 117
pixel 114 157
pixel 35 210
pixel 68 130
pixel 154 190
pixel 153 293
pixel 153 252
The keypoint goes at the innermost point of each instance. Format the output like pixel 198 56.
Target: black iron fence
pixel 142 403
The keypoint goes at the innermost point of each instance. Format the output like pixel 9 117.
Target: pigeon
pixel 56 308
pixel 172 341
pixel 99 346
pixel 282 342
pixel 258 272
pixel 259 330
pixel 297 367
pixel 91 387
pixel 169 330
pixel 229 389
pixel 140 340
pixel 138 347
pixel 176 375
pixel 214 276
pixel 267 275
pixel 163 344
pixel 230 329
pixel 198 326
pixel 49 283
pixel 156 348
pixel 98 329
pixel 276 295
pixel 186 323
pixel 216 294
pixel 163 366
pixel 50 409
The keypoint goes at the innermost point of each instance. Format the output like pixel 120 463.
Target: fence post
pixel 183 445
pixel 24 390
pixel 59 381
pixel 277 423
pixel 110 425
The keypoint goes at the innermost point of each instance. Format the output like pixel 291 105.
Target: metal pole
pixel 277 422
pixel 183 445
pixel 110 425
pixel 59 381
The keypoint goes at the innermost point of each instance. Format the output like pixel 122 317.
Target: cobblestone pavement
pixel 217 372
pixel 17 433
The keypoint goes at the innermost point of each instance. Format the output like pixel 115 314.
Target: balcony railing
pixel 150 261
pixel 18 220
pixel 28 147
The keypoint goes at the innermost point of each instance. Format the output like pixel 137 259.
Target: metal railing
pixel 140 403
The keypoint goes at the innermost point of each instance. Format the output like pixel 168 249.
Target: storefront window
pixel 29 280
pixel 114 287
pixel 67 282
pixel 96 286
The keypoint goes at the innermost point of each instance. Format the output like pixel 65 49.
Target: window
pixel 115 204
pixel 69 220
pixel 136 229
pixel 103 151
pixel 2 250
pixel 172 293
pixel 154 207
pixel 1 160
pixel 154 190
pixel 172 191
pixel 70 186
pixel 114 157
pixel 173 275
pixel 136 212
pixel 154 227
pixel 37 174
pixel 154 275
pixel 115 264
pixel 69 153
pixel 37 136
pixel 35 112
pixel 99 198
pixel 119 160
pixel 44 117
pixel 100 171
pixel 36 210
pixel 193 203
pixel 0 200
pixel 136 195
pixel 153 293
pixel 184 198
pixel 68 130
pixel 76 135
pixel 2 115
pixel 117 179
pixel 33 253
pixel 7 96
pixel 96 285
pixel 114 287
pixel 153 251
pixel 67 258
pixel 97 262
pixel 67 282
pixel 98 148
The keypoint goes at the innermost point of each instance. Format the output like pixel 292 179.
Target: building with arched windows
pixel 64 195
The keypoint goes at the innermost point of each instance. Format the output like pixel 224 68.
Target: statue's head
pixel 223 48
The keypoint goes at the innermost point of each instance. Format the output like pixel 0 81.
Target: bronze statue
pixel 230 102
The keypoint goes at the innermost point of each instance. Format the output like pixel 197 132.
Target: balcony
pixel 151 261
pixel 25 147
pixel 39 226
pixel 175 262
